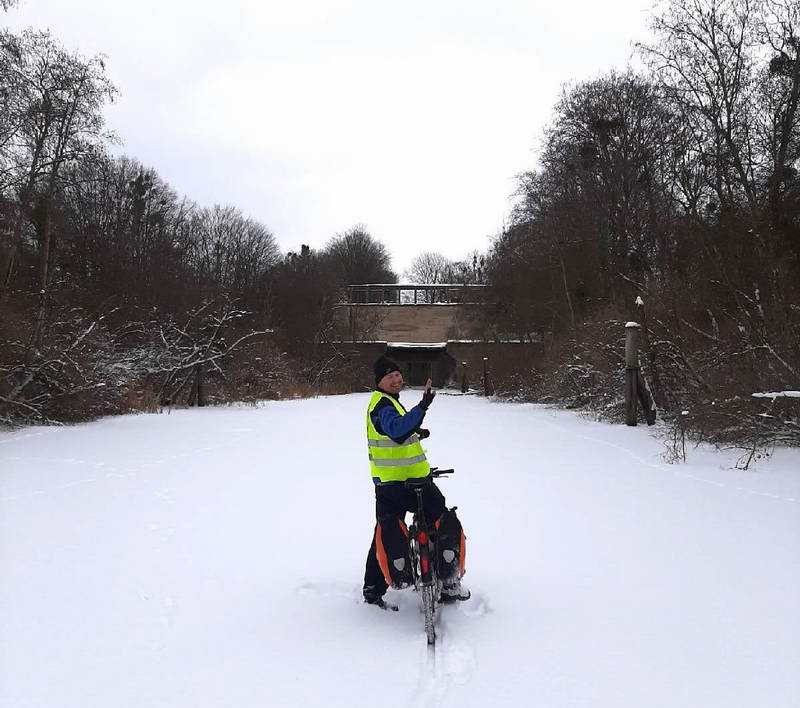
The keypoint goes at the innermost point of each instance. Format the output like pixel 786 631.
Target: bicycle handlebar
pixel 420 482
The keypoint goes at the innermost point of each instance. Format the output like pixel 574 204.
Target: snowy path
pixel 214 558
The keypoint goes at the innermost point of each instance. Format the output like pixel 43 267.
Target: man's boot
pixel 454 591
pixel 380 602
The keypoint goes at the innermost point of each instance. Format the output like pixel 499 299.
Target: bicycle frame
pixel 423 555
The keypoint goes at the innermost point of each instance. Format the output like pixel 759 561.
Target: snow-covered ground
pixel 214 558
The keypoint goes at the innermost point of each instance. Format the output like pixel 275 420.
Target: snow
pixel 631 324
pixel 416 345
pixel 214 557
pixel 418 286
pixel 777 394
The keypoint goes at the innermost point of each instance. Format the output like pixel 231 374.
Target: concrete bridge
pixel 421 314
pixel 431 330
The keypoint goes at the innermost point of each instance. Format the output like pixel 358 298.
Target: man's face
pixel 392 382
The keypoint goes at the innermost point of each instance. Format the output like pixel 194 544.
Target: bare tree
pixel 779 101
pixel 304 290
pixel 63 95
pixel 431 268
pixel 606 154
pixel 122 230
pixel 704 59
pixel 230 252
pixel 471 270
pixel 198 343
pixel 358 257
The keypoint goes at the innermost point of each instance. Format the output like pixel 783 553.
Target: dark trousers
pixel 392 501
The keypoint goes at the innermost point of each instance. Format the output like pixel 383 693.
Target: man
pixel 395 455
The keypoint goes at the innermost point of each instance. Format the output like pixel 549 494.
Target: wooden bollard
pixel 486 376
pixel 464 387
pixel 631 371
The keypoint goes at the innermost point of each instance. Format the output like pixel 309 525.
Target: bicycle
pixel 423 554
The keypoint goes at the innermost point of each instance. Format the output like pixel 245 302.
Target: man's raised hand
pixel 428 395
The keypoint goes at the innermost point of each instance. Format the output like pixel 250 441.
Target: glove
pixel 427 398
pixel 423 433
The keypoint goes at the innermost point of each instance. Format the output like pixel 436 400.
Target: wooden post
pixel 631 371
pixel 487 384
pixel 197 395
pixel 464 386
pixel 201 389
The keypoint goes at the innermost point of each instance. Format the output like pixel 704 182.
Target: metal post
pixel 631 371
pixel 464 386
pixel 487 387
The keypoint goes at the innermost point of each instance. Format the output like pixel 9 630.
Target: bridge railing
pixel 415 294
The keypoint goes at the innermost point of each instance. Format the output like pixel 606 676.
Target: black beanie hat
pixel 384 366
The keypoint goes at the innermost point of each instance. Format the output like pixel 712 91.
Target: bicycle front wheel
pixel 429 610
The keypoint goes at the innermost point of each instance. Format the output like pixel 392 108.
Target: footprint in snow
pixel 321 588
pixel 476 606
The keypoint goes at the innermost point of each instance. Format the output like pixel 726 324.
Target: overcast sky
pixel 313 115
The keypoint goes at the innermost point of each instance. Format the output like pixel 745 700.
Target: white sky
pixel 313 115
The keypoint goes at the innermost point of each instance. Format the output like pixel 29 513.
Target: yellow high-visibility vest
pixel 390 461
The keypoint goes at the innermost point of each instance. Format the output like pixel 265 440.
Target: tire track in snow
pixel 431 684
pixel 450 661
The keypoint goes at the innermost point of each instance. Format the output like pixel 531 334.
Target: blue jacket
pixel 389 422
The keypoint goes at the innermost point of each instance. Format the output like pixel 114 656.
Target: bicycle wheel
pixel 429 609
